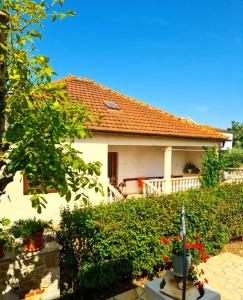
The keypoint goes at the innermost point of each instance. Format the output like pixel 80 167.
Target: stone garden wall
pixel 32 276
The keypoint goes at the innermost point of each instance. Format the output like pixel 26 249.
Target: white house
pixel 141 148
pixel 225 145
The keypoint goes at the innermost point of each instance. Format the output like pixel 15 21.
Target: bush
pixel 233 157
pixel 107 243
pixel 211 166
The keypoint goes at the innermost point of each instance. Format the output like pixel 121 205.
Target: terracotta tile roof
pixel 133 116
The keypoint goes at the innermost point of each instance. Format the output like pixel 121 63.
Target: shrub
pixel 211 166
pixel 29 227
pixel 107 243
pixel 233 157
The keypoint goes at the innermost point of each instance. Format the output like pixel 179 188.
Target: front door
pixel 112 167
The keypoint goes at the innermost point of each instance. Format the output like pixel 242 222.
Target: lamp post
pixel 184 253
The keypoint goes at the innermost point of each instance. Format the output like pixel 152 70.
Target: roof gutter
pixel 156 135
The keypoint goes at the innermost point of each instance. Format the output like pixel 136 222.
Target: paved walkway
pixel 225 274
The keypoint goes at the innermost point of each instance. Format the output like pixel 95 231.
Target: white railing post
pixel 113 193
pixel 184 183
pixel 167 168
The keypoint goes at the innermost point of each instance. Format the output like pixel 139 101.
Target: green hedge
pixel 121 240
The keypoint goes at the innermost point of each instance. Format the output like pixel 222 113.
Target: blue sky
pixel 185 57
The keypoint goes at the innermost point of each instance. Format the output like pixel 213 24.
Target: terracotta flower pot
pixel 34 243
pixel 177 264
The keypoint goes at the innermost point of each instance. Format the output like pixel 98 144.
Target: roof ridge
pixel 202 127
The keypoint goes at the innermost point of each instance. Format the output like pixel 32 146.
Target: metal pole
pixel 184 252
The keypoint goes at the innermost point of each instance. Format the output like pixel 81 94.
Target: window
pixel 111 105
pixel 29 188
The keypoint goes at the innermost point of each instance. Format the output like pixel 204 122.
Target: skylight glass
pixel 111 105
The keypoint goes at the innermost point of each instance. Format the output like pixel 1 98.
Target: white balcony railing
pixel 113 193
pixel 157 186
pixel 184 183
pixel 153 186
pixel 234 180
pixel 235 172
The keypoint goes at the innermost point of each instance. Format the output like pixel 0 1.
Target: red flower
pixel 202 271
pixel 200 285
pixel 179 238
pixel 201 246
pixel 165 258
pixel 205 258
pixel 193 267
pixel 198 238
pixel 188 245
pixel 164 240
pixel 195 246
pixel 205 280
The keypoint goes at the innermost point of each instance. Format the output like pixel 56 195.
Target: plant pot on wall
pixel 34 243
pixel 31 232
pixel 177 264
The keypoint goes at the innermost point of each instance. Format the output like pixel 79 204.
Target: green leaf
pixel 70 13
pixel 62 16
pixel 5 222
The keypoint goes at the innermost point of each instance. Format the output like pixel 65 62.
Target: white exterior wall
pixel 148 161
pixel 229 143
pixel 138 156
pixel 137 161
pixel 195 157
pixel 15 205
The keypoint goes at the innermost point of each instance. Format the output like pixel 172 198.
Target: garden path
pixel 225 274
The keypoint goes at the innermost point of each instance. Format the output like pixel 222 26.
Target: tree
pixel 211 166
pixel 233 157
pixel 237 128
pixel 42 122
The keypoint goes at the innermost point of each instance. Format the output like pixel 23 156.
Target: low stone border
pixel 33 275
pixel 134 294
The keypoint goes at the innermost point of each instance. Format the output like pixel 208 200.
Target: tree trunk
pixel 4 19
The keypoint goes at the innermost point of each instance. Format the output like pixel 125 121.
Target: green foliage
pixel 6 239
pixel 211 166
pixel 237 128
pixel 107 243
pixel 189 166
pixel 42 121
pixel 233 158
pixel 29 227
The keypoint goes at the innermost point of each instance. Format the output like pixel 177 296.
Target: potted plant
pixel 189 168
pixel 31 232
pixel 6 239
pixel 195 255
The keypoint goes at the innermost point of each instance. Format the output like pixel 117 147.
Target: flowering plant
pixel 195 249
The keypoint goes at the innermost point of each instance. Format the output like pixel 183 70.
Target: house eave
pixel 105 131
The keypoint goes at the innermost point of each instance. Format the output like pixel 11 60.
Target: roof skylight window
pixel 111 105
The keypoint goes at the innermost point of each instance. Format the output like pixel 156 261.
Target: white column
pixel 167 168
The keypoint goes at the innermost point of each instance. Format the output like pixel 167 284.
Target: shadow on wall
pixel 32 274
